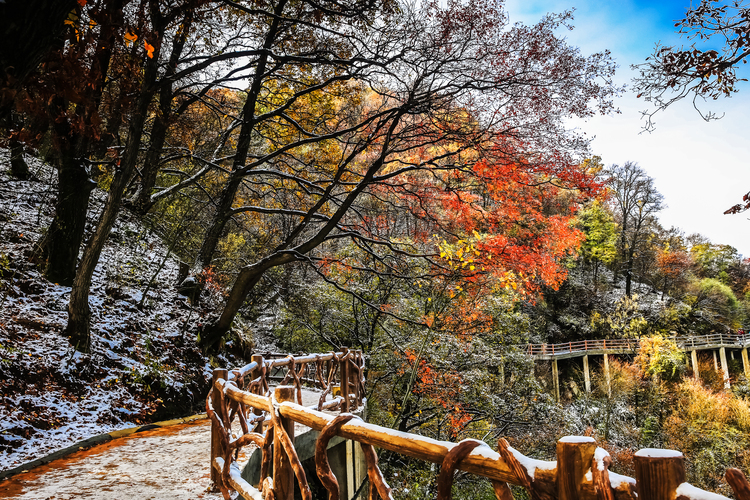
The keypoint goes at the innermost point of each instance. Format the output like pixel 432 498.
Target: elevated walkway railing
pixel 581 471
pixel 686 342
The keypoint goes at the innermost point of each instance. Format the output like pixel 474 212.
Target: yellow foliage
pixel 661 357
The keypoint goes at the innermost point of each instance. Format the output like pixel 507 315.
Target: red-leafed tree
pixel 673 269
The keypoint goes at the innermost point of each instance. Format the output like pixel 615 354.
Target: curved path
pixel 166 463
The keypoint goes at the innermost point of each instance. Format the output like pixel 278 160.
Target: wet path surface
pixel 165 463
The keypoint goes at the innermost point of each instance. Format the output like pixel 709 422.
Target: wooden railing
pixel 339 375
pixel 685 342
pixel 581 470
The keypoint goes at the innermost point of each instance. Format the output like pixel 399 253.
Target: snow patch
pixel 694 493
pixel 532 464
pixel 616 480
pixel 599 455
pixel 577 439
pixel 658 453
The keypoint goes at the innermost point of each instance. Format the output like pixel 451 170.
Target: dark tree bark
pixel 57 251
pixel 79 313
pixel 18 166
pixel 142 201
pixel 58 248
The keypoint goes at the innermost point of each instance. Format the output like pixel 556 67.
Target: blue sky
pixel 700 168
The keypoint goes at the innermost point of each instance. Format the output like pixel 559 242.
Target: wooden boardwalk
pixel 166 463
pixel 717 343
pixel 628 346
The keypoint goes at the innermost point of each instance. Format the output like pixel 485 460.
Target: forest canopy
pixel 381 138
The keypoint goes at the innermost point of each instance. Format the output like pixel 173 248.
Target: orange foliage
pixel 442 387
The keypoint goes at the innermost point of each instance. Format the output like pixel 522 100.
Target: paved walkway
pixel 168 463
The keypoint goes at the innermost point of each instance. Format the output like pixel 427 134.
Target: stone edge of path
pixel 93 441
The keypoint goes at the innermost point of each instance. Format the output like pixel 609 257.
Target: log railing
pixel 684 342
pixel 581 470
pixel 339 375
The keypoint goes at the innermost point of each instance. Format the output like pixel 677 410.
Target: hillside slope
pixel 144 363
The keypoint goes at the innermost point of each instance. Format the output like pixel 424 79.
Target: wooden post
pixel 606 374
pixel 694 361
pixel 217 449
pixel 586 377
pixel 716 363
pixel 556 380
pixel 574 457
pixel 258 358
pixel 353 374
pixel 658 473
pixel 351 478
pixel 344 374
pixel 724 366
pixel 283 475
pixel 745 363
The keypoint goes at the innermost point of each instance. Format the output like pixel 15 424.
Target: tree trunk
pixel 57 251
pixel 629 274
pixel 18 167
pixel 141 201
pixel 79 314
pixel 211 333
pixel 223 211
pixel 219 222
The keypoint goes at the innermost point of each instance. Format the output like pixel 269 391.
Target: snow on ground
pixel 144 364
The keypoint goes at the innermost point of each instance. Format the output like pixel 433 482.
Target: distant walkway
pixel 718 342
pixel 624 346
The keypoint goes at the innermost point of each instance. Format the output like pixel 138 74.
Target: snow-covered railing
pixel 614 345
pixel 321 371
pixel 340 376
pixel 581 471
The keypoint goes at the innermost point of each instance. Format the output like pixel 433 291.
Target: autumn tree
pixel 714 260
pixel 447 93
pixel 31 29
pixel 158 27
pixel 635 201
pixel 600 229
pixel 674 266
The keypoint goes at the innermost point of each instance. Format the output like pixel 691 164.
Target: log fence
pixel 581 470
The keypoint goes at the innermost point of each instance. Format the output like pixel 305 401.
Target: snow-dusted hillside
pixel 144 363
